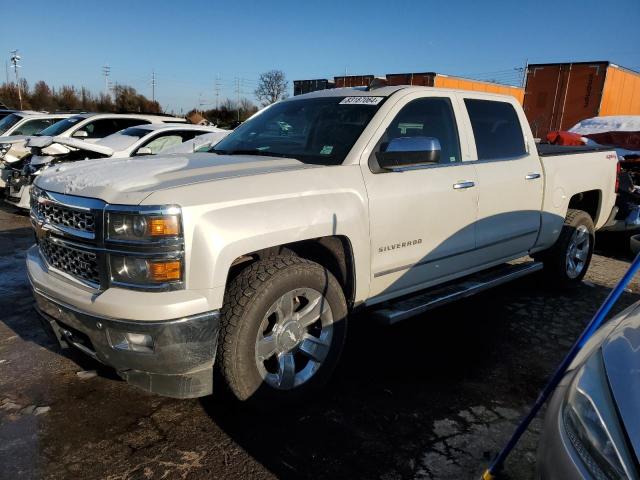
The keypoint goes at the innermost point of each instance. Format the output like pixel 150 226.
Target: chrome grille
pixel 79 263
pixel 63 216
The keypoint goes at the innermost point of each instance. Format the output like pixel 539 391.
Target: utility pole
pixel 106 71
pixel 216 89
pixel 239 85
pixel 15 61
pixel 6 68
pixel 153 85
pixel 238 96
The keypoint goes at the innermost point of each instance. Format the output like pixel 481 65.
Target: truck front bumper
pixel 173 358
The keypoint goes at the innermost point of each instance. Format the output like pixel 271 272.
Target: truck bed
pixel 548 150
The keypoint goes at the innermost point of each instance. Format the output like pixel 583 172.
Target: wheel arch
pixel 334 252
pixel 589 201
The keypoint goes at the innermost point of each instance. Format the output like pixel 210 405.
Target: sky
pixel 191 45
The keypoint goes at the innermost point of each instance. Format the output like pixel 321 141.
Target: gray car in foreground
pixel 592 425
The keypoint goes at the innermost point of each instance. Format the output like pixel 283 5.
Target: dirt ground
pixel 431 398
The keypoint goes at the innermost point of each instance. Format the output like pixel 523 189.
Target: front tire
pixel 566 263
pixel 282 331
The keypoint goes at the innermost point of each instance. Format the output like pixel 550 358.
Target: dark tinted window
pixel 427 117
pixel 106 126
pixel 9 121
pixel 496 128
pixel 62 126
pixel 130 122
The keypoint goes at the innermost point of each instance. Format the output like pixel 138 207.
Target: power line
pixel 239 84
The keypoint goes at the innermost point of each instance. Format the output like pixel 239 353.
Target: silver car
pixel 592 425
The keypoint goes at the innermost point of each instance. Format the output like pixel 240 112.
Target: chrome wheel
pixel 578 251
pixel 294 338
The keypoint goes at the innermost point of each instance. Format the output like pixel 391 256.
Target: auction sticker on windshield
pixel 361 100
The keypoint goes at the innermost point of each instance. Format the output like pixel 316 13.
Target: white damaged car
pixel 131 142
pixel 15 129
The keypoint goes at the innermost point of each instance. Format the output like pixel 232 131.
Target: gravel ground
pixel 431 398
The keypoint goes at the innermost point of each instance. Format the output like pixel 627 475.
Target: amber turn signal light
pixel 165 271
pixel 164 226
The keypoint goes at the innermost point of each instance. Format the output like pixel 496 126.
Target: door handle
pixel 461 185
pixel 532 176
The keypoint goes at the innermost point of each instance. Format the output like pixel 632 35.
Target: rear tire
pixel 566 263
pixel 282 331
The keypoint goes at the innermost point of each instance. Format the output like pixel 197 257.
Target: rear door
pixel 510 181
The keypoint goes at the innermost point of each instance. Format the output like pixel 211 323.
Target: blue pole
pixel 593 325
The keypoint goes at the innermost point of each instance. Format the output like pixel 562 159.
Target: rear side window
pixel 496 129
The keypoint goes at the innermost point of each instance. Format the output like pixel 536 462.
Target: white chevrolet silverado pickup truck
pixel 253 255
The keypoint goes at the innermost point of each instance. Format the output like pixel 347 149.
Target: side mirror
pixel 80 134
pixel 409 151
pixel 144 151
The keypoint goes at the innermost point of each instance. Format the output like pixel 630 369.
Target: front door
pixel 422 219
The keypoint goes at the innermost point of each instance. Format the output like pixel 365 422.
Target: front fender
pixel 254 213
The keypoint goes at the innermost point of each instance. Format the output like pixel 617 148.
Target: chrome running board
pixel 397 310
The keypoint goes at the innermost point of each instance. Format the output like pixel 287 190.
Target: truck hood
pixel 131 180
pixel 621 353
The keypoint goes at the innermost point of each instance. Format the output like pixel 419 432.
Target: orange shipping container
pixel 445 81
pixel 421 79
pixel 353 81
pixel 559 95
pixel 440 80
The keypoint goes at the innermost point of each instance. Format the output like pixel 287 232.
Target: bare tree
pixel 272 86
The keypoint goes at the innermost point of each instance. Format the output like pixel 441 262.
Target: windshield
pixel 60 127
pixel 9 121
pixel 315 130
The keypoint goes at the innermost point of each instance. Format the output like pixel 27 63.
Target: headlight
pixel 130 270
pixel 4 148
pixel 153 238
pixel 144 227
pixel 592 425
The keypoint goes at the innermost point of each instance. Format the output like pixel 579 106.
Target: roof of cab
pixel 390 90
pixel 351 92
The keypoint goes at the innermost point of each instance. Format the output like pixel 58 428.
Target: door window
pixel 164 141
pixel 32 127
pixel 496 129
pixel 170 139
pixel 106 126
pixel 427 117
